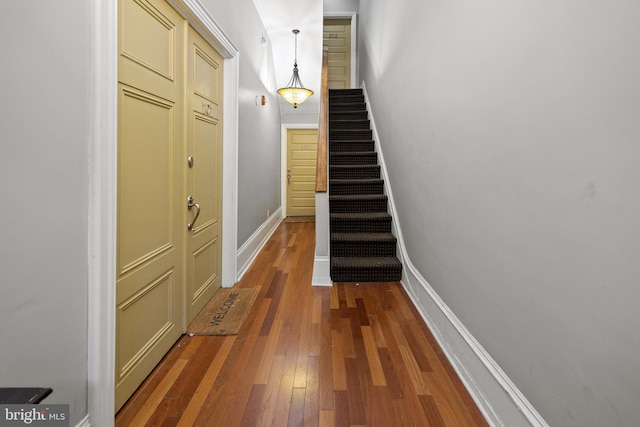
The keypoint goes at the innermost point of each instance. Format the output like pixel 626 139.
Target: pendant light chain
pixel 295 43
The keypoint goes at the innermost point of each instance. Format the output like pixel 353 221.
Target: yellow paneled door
pixel 204 172
pixel 301 171
pixel 337 36
pixel 162 80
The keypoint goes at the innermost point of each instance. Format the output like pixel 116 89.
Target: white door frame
pixel 103 141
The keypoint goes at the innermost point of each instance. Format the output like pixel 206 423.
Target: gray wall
pixel 338 6
pixel 259 127
pixel 511 134
pixel 44 131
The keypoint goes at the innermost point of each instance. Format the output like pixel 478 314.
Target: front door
pixel 302 146
pixel 204 172
pixel 169 184
pixel 150 204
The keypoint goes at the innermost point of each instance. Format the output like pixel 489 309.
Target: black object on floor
pixel 23 395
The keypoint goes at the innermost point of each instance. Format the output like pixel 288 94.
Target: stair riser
pixel 346 115
pixel 345 147
pixel 357 206
pixel 365 275
pixel 360 226
pixel 350 124
pixel 343 92
pixel 350 134
pixel 372 172
pixel 346 107
pixel 354 159
pixel 349 188
pixel 349 99
pixel 368 249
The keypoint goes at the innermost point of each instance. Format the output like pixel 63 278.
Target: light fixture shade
pixel 295 93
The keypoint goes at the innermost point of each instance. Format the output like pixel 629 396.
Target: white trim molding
pixel 254 244
pixel 500 401
pixel 321 271
pixel 230 171
pixel 321 265
pixel 85 422
pixel 101 243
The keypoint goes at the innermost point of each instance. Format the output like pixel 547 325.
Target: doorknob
pixel 289 176
pixel 191 204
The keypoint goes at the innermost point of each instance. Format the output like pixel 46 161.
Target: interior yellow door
pixel 204 172
pixel 302 145
pixel 150 202
pixel 337 36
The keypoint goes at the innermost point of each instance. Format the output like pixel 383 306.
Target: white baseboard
pixel 497 397
pixel 251 248
pixel 321 276
pixel 85 422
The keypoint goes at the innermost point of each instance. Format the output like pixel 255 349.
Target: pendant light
pixel 295 93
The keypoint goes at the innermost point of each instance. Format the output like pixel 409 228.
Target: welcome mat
pixel 224 313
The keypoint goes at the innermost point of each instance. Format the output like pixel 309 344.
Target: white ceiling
pixel 281 17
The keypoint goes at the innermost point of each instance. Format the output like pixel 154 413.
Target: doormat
pixel 300 219
pixel 224 313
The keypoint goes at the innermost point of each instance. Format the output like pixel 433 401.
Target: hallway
pixel 307 356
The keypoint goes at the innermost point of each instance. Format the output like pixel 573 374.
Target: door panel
pixel 149 44
pixel 337 36
pixel 301 166
pixel 145 159
pixel 150 205
pixel 204 177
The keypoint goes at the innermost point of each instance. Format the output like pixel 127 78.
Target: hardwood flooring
pixel 347 355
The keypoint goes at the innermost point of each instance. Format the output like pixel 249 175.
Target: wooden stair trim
pixel 323 124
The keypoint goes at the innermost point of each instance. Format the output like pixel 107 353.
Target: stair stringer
pixel 497 397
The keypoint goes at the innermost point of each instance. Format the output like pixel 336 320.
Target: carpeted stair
pixel 363 249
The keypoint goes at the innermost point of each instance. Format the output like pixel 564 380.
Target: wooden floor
pixel 347 355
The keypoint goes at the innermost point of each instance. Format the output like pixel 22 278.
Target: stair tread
pixel 350 153
pixel 366 262
pixel 363 237
pixel 348 107
pixel 348 167
pixel 356 181
pixel 358 197
pixel 368 216
pixel 351 141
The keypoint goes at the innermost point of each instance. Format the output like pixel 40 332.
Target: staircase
pixel 362 246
